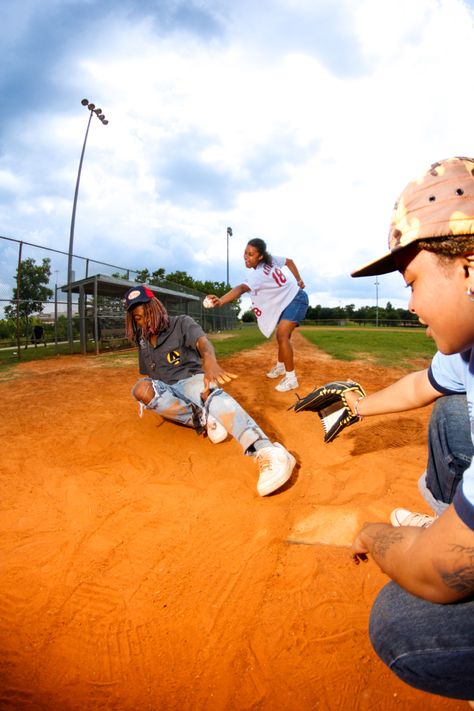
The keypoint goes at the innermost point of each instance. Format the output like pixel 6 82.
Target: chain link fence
pixel 98 320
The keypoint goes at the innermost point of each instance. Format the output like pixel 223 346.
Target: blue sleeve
pixel 463 505
pixel 447 373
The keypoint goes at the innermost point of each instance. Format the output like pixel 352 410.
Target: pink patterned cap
pixel 440 203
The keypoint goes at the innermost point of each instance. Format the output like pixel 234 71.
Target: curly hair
pixel 261 248
pixel 156 320
pixel 448 247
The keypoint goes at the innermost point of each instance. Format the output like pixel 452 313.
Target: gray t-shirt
pixel 175 355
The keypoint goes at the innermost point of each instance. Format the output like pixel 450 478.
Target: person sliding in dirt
pixel 183 383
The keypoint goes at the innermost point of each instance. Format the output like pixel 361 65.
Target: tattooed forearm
pixel 464 550
pixel 460 576
pixel 382 537
pixel 205 347
pixel 459 579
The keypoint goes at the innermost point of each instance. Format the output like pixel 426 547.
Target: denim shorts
pixel 296 309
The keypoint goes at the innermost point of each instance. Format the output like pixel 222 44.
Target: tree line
pixel 159 276
pixel 339 314
pixel 31 293
pixel 35 293
pixel 315 313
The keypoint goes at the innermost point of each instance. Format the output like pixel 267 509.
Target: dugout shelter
pixel 100 308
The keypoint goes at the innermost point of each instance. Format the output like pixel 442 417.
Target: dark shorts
pixel 296 309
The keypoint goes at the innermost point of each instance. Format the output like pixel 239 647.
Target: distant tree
pixel 61 327
pixel 212 287
pixel 7 328
pixel 33 280
pixel 158 276
pixel 248 316
pixel 182 278
pixel 142 276
pixel 363 314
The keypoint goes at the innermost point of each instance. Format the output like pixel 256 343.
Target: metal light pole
pixel 98 112
pixel 376 301
pixel 229 234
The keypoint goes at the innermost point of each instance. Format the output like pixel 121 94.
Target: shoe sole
pixel 275 484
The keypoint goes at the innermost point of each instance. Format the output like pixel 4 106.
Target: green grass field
pixel 382 346
pixel 399 347
pixel 225 344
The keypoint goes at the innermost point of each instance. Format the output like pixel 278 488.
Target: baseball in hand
pixel 208 303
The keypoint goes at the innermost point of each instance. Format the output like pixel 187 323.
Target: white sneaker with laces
pixel 403 517
pixel 286 384
pixel 276 371
pixel 215 431
pixel 275 466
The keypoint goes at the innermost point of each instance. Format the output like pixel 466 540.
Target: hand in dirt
pixel 359 550
pixel 360 558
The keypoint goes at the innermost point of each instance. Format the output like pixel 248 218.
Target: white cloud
pixel 209 131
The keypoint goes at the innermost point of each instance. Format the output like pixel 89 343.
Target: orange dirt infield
pixel 140 570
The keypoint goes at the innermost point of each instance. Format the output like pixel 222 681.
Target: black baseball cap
pixel 139 294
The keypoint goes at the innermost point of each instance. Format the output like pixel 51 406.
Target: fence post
pixel 18 286
pixel 56 319
pixel 96 323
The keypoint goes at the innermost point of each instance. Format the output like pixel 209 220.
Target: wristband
pixel 356 408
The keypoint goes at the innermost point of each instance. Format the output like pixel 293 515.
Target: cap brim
pixel 384 265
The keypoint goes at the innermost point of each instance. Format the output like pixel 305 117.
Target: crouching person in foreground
pixel 183 384
pixel 422 623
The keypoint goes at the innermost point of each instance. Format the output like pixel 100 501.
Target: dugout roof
pixel 103 285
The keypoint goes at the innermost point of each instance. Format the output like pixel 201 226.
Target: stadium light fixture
pixel 92 112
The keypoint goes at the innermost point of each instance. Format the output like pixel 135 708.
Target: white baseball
pixel 208 303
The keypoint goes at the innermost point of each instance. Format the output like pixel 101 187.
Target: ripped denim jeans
pixel 181 402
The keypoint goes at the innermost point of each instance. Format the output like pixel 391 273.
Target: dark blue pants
pixel 428 645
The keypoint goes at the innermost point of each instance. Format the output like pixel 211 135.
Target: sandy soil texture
pixel 139 569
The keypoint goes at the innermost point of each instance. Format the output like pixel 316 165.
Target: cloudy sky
pixel 298 121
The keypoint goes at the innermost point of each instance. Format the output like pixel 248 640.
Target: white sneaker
pixel 403 517
pixel 286 384
pixel 276 371
pixel 275 465
pixel 215 431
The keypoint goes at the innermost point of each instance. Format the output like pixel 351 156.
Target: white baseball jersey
pixel 271 290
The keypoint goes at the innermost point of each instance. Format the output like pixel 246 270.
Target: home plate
pixel 330 525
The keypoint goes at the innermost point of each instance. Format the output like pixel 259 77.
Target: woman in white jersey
pixel 278 300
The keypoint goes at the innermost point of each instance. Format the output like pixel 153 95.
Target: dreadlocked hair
pixel 261 248
pixel 449 247
pixel 156 320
